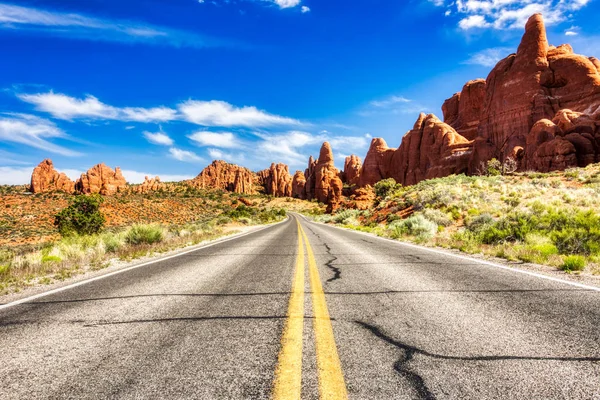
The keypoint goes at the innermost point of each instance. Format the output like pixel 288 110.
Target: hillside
pixel 544 218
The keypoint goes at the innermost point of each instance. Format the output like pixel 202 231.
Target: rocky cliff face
pixel 298 185
pixel 322 180
pixel 276 180
pixel 534 84
pixel 229 177
pixel 352 167
pixel 101 179
pixel 377 163
pixel 432 149
pixel 46 179
pixel 463 110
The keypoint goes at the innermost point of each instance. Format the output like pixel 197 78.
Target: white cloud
pixel 225 140
pixel 66 107
pixel 287 3
pixel 572 31
pixel 488 57
pixel 34 132
pixel 15 175
pixel 159 138
pixel 139 177
pixel 507 14
pixel 220 113
pixel 184 155
pixel 80 26
pixel 389 101
pixel 305 9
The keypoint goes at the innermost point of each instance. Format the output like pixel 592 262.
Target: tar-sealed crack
pixel 337 272
pixel 417 381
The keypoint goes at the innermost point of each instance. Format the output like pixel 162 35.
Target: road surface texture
pixel 303 310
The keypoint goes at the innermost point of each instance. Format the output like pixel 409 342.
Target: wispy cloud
pixel 184 155
pixel 220 113
pixel 33 131
pixel 212 113
pixel 159 138
pixel 69 108
pixel 225 140
pixel 507 14
pixel 81 26
pixel 488 57
pixel 393 104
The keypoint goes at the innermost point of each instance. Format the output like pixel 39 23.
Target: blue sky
pixel 164 87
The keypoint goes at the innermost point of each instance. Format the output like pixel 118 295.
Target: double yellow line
pixel 288 375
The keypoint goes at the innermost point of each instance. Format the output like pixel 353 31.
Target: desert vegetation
pixel 542 218
pixel 52 236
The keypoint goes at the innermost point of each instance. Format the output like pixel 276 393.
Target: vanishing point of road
pixel 300 310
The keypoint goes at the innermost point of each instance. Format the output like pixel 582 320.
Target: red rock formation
pixel 463 110
pixel 571 139
pixel 352 167
pixel 309 174
pixel 322 180
pixel 276 180
pixel 150 185
pixel 46 179
pixel 432 149
pixel 529 86
pixel 101 179
pixel 298 184
pixel 377 163
pixel 229 177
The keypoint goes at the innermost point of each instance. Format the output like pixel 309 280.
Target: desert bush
pixel 82 216
pixel 573 263
pixel 416 225
pixel 384 187
pixel 345 217
pixel 145 234
pixel 437 216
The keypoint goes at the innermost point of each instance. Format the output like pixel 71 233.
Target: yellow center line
pixel 288 375
pixel 331 377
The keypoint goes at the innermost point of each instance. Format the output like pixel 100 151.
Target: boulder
pixel 101 179
pixel 46 179
pixel 225 176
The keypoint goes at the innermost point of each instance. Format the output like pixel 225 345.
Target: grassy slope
pixel 551 219
pixel 32 251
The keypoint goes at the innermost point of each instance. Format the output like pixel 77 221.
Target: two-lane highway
pixel 306 310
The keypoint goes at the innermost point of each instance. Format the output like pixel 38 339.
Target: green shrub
pixel 573 263
pixel 82 216
pixel 417 225
pixel 437 216
pixel 493 167
pixel 145 234
pixel 384 187
pixel 51 259
pixel 112 242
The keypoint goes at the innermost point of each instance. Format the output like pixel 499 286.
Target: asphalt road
pixel 375 320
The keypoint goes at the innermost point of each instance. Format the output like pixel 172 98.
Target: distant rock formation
pixel 377 163
pixel 46 179
pixel 322 179
pixel 225 176
pixel 150 185
pixel 101 179
pixel 432 149
pixel 352 167
pixel 298 184
pixel 276 180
